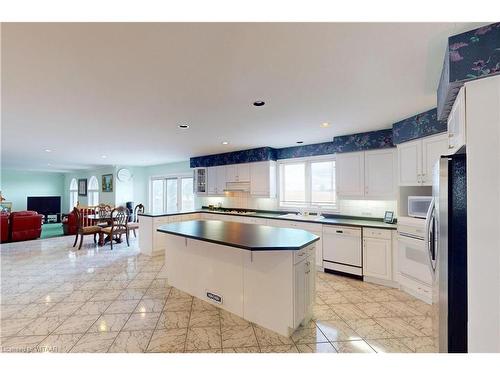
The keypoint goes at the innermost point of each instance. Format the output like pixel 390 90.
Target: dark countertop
pixel 244 236
pixel 328 220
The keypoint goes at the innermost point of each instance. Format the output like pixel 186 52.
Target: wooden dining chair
pixel 134 224
pixel 119 220
pixel 85 226
pixel 103 210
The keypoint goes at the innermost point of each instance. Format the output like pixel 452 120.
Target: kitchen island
pixel 263 274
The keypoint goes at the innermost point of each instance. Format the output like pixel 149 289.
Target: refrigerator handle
pixel 427 238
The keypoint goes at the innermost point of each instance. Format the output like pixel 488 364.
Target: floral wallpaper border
pixel 418 126
pixel 470 55
pixel 235 157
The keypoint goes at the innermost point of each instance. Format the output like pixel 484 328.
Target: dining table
pixel 103 220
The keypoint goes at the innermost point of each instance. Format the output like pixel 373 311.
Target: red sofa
pixel 25 225
pixel 70 224
pixel 4 227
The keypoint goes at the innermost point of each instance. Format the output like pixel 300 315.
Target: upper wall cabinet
pixel 263 179
pixel 200 181
pixel 238 172
pixel 456 123
pixel 350 176
pixel 216 180
pixel 416 159
pixel 380 174
pixel 368 174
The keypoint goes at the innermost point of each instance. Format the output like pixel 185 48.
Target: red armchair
pixel 70 224
pixel 4 227
pixel 25 225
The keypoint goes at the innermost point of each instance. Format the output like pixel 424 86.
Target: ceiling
pixel 119 90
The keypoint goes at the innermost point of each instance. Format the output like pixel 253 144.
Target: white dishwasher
pixel 342 250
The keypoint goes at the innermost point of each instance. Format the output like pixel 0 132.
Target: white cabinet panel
pixel 212 180
pixel 410 163
pixel 263 179
pixel 432 148
pixel 221 179
pixel 238 172
pixel 350 174
pixel 456 123
pixel 231 173
pixel 380 174
pixel 377 258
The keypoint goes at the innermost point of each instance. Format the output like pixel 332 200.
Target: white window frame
pixel 73 194
pixel 308 206
pixel 91 191
pixel 179 177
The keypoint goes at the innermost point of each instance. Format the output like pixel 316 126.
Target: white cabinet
pixel 200 181
pixel 212 180
pixel 304 289
pixel 380 174
pixel 350 174
pixel 417 158
pixel 456 123
pixel 263 179
pixel 238 172
pixel 377 253
pixel 366 174
pixel 432 148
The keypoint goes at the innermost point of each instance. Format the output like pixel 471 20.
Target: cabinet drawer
pixel 383 234
pixel 346 231
pixel 300 255
pixel 309 227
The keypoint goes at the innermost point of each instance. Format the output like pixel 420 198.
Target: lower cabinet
pixel 377 253
pixel 304 289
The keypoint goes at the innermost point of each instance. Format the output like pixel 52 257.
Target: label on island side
pixel 214 297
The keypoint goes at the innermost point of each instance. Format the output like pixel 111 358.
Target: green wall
pixel 16 186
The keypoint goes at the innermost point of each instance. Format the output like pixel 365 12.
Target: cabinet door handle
pixel 339 231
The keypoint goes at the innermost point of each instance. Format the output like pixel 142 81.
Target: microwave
pixel 418 206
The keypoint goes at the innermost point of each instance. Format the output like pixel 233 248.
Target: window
pixel 73 194
pixel 172 194
pixel 308 183
pixel 93 191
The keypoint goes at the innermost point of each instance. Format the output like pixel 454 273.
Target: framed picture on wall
pixel 107 183
pixel 82 187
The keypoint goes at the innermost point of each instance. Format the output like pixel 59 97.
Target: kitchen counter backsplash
pixel 364 208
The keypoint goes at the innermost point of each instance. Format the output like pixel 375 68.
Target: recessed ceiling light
pixel 103 156
pixel 300 142
pixel 183 126
pixel 48 164
pixel 225 142
pixel 325 125
pixel 259 103
pixel 48 150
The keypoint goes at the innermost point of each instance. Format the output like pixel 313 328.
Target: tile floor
pixel 56 299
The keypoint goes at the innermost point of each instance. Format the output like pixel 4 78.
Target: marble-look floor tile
pixel 122 307
pixel 349 311
pixel 59 343
pixel 168 341
pixel 64 309
pixel 369 329
pixel 324 312
pixel 94 342
pixel 333 297
pixel 157 293
pixel 179 294
pixel 228 319
pixel 267 337
pixel 319 347
pixel 337 330
pixel 33 310
pixel 203 338
pixel 375 310
pixel 356 296
pixel 358 346
pixel 401 309
pixel 106 295
pixel 42 326
pixel 204 318
pixel 173 319
pixel 131 294
pixel 21 344
pixel 93 307
pixel 248 349
pixel 238 336
pixel 422 323
pixel 76 324
pixel 420 344
pixel 178 304
pixel 109 323
pixel 141 321
pixel 308 336
pixel 388 346
pixel 291 348
pixel 139 283
pixel 199 305
pixel 10 327
pixel 398 327
pixel 131 342
pixel 150 306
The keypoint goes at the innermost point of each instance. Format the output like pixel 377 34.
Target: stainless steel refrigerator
pixel 446 241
